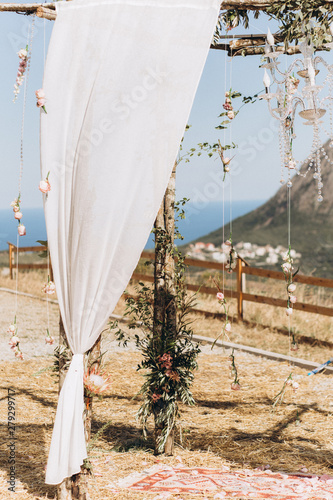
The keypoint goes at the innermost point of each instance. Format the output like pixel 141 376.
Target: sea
pixel 199 221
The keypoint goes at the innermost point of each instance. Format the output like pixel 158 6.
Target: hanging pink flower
pixel 220 296
pixel 14 341
pixel 23 55
pixel 293 299
pixel 228 327
pixel 21 230
pixel 289 311
pixel 49 339
pixel 49 288
pixel 18 215
pixel 19 354
pixel 45 186
pixel 41 100
pixel 231 115
pixel 12 329
pixel 295 386
pixel 235 386
pixel 291 287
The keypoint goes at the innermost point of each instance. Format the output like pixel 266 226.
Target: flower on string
pixel 289 311
pixel 220 296
pixel 235 386
pixel 287 268
pixel 49 287
pixel 18 215
pixel 289 382
pixel 21 230
pixel 232 260
pixel 44 185
pixel 49 339
pixel 293 299
pixel 228 327
pixel 41 100
pixel 96 382
pixel 23 56
pixel 291 287
pixel 231 115
pixel 14 341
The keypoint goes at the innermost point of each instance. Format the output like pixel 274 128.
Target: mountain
pixel 311 221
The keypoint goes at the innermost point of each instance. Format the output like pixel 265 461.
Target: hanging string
pixel 223 190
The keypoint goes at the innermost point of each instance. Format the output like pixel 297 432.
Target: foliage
pixel 298 19
pixel 169 353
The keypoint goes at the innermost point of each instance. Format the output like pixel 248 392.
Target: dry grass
pixel 225 427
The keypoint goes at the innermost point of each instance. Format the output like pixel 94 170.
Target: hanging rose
pixel 49 339
pixel 23 56
pixel 21 230
pixel 45 186
pixel 18 215
pixel 41 100
pixel 49 287
pixel 14 341
pixel 231 115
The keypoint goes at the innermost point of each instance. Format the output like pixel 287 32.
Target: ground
pixel 225 427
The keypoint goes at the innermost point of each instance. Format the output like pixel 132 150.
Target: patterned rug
pixel 231 484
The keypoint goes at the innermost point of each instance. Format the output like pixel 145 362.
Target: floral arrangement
pixel 49 287
pixel 41 100
pixel 44 185
pixel 95 381
pixel 16 204
pixel 169 354
pixel 287 268
pixel 23 56
pixel 289 382
pixel 14 342
pixel 221 299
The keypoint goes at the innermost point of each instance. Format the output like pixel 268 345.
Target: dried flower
pixel 235 386
pixel 14 341
pixel 155 397
pixel 49 288
pixel 231 115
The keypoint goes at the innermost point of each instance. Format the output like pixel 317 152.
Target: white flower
pixel 22 54
pixel 228 327
pixel 295 386
pixel 286 267
pixel 289 311
pixel 291 287
pixel 293 299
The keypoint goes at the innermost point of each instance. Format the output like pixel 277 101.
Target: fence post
pixel 239 289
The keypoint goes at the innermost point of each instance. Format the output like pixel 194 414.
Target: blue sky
pixel 255 172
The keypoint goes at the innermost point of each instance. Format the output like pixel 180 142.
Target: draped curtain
pixel 120 79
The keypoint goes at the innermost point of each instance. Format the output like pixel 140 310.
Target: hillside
pixel 311 221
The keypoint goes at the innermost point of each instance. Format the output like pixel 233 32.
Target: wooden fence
pixel 13 249
pixel 241 270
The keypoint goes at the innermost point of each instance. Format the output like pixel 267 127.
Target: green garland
pixel 298 19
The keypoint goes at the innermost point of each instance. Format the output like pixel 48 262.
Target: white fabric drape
pixel 120 79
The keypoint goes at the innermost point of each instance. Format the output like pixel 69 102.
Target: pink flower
pixel 21 230
pixel 16 208
pixel 220 296
pixel 228 243
pixel 286 267
pixel 40 94
pixel 227 106
pixel 22 54
pixel 294 346
pixel 293 299
pixel 227 94
pixel 155 397
pixel 226 161
pixel 289 311
pixel 235 386
pixel 14 341
pixel 231 115
pixel 228 327
pixel 11 329
pixel 19 355
pixel 49 288
pixel 295 386
pixel 291 287
pixel 44 186
pixel 18 215
pixel 96 382
pixel 49 340
pixel 41 103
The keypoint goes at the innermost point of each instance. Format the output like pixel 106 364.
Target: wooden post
pixel 164 278
pixel 239 289
pixel 76 487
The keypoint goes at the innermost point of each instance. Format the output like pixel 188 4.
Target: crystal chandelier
pixel 308 102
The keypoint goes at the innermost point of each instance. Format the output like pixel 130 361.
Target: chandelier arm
pixel 319 59
pixel 297 63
